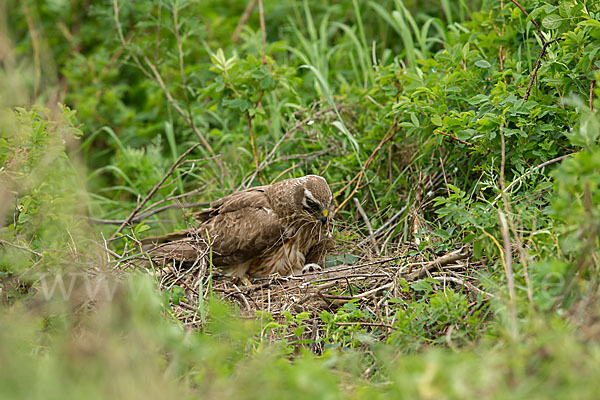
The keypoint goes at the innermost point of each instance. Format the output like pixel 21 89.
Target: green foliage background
pixel 402 92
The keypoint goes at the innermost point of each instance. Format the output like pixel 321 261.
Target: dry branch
pixel 153 191
pixel 472 288
pixel 358 178
pixel 243 20
pixel 453 137
pixel 155 76
pixel 437 263
pixel 538 63
pixel 16 246
pixel 529 172
pixel 362 213
pixel 265 162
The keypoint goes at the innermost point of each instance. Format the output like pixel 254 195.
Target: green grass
pixel 447 78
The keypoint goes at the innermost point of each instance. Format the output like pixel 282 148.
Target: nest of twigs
pixel 371 283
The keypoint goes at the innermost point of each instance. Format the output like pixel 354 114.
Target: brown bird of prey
pixel 280 228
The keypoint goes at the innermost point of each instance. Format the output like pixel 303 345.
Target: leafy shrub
pixel 428 107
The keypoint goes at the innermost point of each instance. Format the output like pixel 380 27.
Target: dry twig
pixel 453 137
pixel 358 178
pixel 243 20
pixel 437 263
pixel 362 213
pixel 16 246
pixel 529 172
pixel 154 189
pixel 538 63
pixel 265 162
pixel 155 76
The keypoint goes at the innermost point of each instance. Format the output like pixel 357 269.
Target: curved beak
pixel 323 217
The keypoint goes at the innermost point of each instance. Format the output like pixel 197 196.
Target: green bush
pixel 432 106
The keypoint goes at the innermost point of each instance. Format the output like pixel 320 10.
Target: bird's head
pixel 313 196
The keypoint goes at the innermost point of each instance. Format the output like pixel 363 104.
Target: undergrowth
pixel 469 124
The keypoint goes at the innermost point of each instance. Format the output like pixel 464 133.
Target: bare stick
pixel 390 221
pixel 154 189
pixel 361 295
pixel 361 211
pixel 510 279
pixel 351 276
pixel 511 223
pixel 591 101
pixel 300 164
pixel 16 246
pixel 158 79
pixel 387 137
pixel 474 289
pixel 438 262
pixel 454 138
pixel 261 13
pixel 181 64
pixel 252 141
pixel 173 198
pixel 532 20
pixel 365 324
pixel 145 214
pixel 243 20
pixel 532 170
pixel 349 267
pixel 243 297
pixel 538 63
pixel 155 76
pixel 33 34
pixel 297 126
pixel 373 291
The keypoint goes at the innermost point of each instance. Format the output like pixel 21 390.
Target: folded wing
pixel 238 228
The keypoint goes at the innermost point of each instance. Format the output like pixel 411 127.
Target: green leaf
pixel 422 286
pixel 241 104
pixel 326 317
pixel 552 21
pixel 478 99
pixel 299 331
pixel 482 64
pixel 414 119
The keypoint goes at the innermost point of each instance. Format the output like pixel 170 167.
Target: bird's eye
pixel 311 205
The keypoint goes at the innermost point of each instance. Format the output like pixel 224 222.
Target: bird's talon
pixel 245 281
pixel 311 268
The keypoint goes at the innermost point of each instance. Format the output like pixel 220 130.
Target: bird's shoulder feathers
pixel 250 198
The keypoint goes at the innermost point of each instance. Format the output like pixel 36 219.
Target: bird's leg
pixel 311 268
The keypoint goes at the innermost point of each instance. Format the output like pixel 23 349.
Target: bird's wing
pixel 173 246
pixel 238 228
pixel 253 197
pixel 241 235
